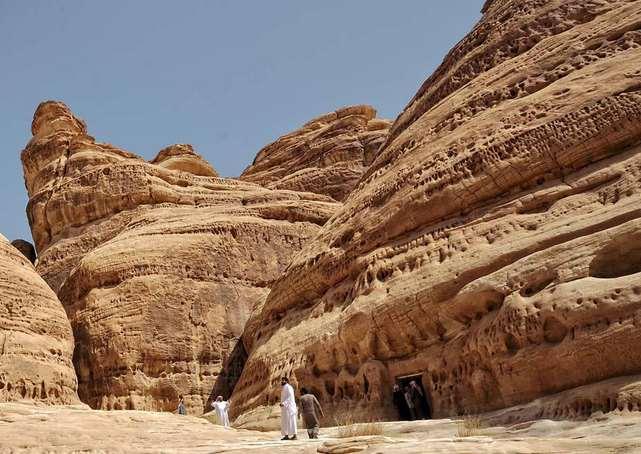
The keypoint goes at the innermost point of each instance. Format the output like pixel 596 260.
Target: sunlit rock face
pixel 183 157
pixel 327 155
pixel 158 265
pixel 493 247
pixel 36 343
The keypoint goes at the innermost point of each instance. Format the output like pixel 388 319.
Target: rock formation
pixel 158 265
pixel 26 248
pixel 327 155
pixel 183 157
pixel 493 247
pixel 36 343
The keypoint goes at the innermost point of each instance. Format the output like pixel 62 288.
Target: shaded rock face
pixel 327 155
pixel 157 266
pixel 36 343
pixel 492 247
pixel 26 248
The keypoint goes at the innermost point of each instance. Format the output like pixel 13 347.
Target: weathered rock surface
pixel 494 244
pixel 36 344
pixel 157 266
pixel 183 157
pixel 327 155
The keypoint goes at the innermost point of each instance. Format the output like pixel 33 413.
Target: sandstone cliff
pixel 158 265
pixel 327 155
pixel 36 344
pixel 494 244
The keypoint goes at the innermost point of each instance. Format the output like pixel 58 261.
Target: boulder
pixel 26 248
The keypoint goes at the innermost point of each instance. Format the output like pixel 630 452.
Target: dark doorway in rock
pixel 419 406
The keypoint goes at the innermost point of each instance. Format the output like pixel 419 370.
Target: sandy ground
pixel 37 429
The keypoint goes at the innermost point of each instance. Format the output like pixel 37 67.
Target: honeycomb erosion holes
pixel 491 244
pixel 486 240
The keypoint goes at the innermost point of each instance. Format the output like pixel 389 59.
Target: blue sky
pixel 226 76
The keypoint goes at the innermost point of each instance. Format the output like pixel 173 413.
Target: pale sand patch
pixel 32 428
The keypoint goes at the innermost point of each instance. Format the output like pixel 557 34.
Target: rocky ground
pixel 38 428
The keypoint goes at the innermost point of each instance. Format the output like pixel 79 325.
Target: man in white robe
pixel 221 408
pixel 288 411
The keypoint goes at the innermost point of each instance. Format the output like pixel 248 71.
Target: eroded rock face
pixel 327 155
pixel 157 266
pixel 183 157
pixel 36 342
pixel 493 245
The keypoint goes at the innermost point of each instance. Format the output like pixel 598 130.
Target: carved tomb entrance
pixel 421 400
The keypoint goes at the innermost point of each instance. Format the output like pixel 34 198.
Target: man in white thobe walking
pixel 221 408
pixel 288 411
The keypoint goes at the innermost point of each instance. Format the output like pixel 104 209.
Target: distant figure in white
pixel 221 406
pixel 288 411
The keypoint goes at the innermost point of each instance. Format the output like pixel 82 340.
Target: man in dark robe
pixel 410 402
pixel 399 402
pixel 420 402
pixel 417 399
pixel 310 408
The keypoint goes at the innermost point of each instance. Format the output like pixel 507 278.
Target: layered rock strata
pixel 36 343
pixel 492 249
pixel 327 155
pixel 183 157
pixel 158 265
